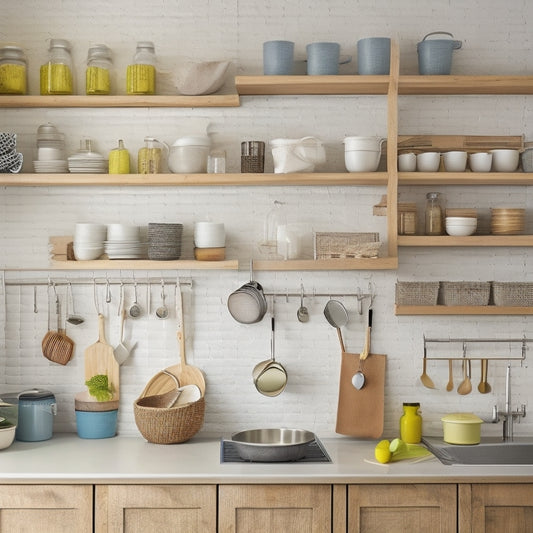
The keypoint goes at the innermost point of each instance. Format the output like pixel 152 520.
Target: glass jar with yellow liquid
pixel 56 76
pixel 140 75
pixel 150 155
pixel 98 72
pixel 13 78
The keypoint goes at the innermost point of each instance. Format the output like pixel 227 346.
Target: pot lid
pixel 462 418
pixel 35 395
pixel 193 141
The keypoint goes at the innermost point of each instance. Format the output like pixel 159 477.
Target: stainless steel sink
pixel 491 451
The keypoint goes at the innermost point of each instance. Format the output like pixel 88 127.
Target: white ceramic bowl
pixel 90 232
pixel 188 155
pixel 455 161
pixel 407 162
pixel 428 161
pixel 87 253
pixel 480 161
pixel 122 232
pixel 205 77
pixel 463 221
pixel 361 160
pixel 7 436
pixel 505 160
pixel 209 235
pixel 460 226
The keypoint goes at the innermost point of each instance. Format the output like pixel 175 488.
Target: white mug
pixel 428 161
pixel 455 161
pixel 407 162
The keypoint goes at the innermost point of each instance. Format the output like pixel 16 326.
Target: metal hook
pixel 107 290
pixel 95 294
pixel 35 310
pixel 121 299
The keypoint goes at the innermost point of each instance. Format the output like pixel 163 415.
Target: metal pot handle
pixel 456 44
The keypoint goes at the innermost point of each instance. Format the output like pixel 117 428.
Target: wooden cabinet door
pixel 46 508
pixel 415 508
pixel 157 508
pixel 493 508
pixel 273 508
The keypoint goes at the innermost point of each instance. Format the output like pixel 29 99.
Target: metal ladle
pixel 302 313
pixel 135 310
pixel 162 311
pixel 337 316
pixel 72 317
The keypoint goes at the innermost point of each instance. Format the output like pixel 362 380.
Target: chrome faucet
pixel 508 415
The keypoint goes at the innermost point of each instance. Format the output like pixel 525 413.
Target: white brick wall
pixel 496 39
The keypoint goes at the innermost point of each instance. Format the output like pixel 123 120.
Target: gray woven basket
pixel 417 292
pixel 464 292
pixel 512 294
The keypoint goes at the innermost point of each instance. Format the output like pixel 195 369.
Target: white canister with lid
pixel 188 155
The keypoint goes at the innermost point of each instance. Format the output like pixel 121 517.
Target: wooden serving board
pixel 360 413
pixel 100 359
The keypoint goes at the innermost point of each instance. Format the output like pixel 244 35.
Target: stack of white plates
pixel 87 162
pixel 126 249
pixel 47 167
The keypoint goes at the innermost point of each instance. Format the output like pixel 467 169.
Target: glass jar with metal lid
pixel 13 76
pixel 56 75
pixel 98 72
pixel 140 75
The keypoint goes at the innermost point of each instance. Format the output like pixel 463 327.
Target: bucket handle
pixel 456 44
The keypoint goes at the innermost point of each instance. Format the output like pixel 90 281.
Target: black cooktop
pixel 314 453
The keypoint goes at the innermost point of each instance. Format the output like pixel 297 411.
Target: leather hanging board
pixel 360 413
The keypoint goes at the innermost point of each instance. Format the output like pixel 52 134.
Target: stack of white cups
pixel 89 241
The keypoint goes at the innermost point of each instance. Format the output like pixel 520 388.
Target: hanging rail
pixel 184 282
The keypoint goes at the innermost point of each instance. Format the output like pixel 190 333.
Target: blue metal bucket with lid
pixel 36 411
pixel 435 55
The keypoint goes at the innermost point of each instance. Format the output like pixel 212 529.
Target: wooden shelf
pixel 404 310
pixel 30 101
pixel 472 240
pixel 315 178
pixel 465 178
pixel 379 263
pixel 464 85
pixel 144 264
pixel 286 85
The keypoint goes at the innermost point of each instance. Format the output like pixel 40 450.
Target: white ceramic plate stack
pixel 123 242
pixel 164 241
pixel 507 221
pixel 85 161
pixel 51 157
pixel 89 241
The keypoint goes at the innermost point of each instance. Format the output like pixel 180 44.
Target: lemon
pixel 397 446
pixel 382 452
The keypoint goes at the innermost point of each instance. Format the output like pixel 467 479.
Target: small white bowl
pixel 362 160
pixel 407 162
pixel 461 230
pixel 87 253
pixel 468 221
pixel 122 232
pixel 505 160
pixel 88 231
pixel 480 161
pixel 428 161
pixel 7 436
pixel 455 161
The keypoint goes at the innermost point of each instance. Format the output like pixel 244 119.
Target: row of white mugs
pixel 502 160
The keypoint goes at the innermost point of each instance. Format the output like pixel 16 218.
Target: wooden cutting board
pixel 360 413
pixel 100 359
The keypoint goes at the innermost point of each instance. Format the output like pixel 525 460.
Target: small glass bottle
pixel 13 77
pixel 98 72
pixel 411 424
pixel 119 159
pixel 140 75
pixel 434 225
pixel 56 75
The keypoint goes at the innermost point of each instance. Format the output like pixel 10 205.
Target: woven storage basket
pixel 417 292
pixel 346 245
pixel 168 425
pixel 464 292
pixel 517 294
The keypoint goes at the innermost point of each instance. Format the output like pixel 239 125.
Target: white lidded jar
pixel 188 155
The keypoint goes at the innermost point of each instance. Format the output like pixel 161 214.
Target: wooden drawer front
pixel 158 508
pixel 268 508
pixel 415 508
pixel 46 508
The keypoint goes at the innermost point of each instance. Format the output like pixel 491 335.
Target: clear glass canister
pixel 149 156
pixel 13 76
pixel 434 214
pixel 57 74
pixel 98 72
pixel 411 423
pixel 140 75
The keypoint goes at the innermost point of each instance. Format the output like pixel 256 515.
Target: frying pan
pixel 247 304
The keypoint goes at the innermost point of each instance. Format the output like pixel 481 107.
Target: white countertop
pixel 131 460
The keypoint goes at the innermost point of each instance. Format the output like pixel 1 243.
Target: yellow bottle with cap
pixel 119 160
pixel 411 424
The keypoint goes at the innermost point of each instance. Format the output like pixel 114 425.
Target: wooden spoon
pixel 449 386
pixel 424 378
pixel 465 387
pixel 483 386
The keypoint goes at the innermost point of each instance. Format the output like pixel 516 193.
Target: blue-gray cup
pixel 373 56
pixel 323 58
pixel 278 57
